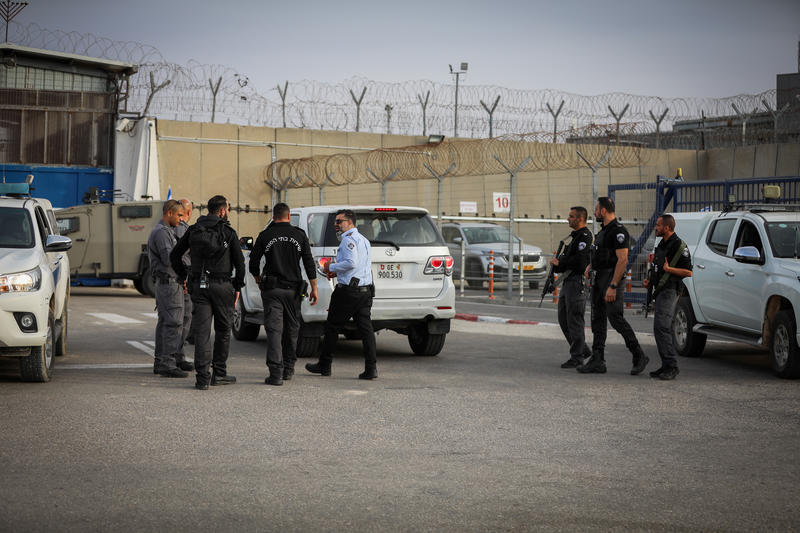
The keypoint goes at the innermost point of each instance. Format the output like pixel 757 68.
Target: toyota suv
pixel 34 282
pixel 411 269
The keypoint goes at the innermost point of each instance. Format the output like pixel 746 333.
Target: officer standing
pixel 188 207
pixel 352 296
pixel 282 246
pixel 607 267
pixel 169 292
pixel 215 251
pixel 571 264
pixel 671 263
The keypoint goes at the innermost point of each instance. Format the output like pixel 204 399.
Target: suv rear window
pixel 720 235
pixel 17 228
pixel 402 229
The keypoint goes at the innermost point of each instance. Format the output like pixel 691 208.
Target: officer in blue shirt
pixel 352 296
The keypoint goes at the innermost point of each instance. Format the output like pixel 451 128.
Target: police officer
pixel 607 267
pixel 169 292
pixel 571 264
pixel 214 249
pixel 352 296
pixel 188 207
pixel 671 263
pixel 282 246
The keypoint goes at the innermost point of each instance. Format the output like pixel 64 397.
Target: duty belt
pixel 360 288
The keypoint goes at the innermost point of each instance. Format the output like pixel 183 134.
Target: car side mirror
pixel 246 243
pixel 57 243
pixel 457 240
pixel 748 254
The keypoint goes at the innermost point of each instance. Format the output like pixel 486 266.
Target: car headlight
pixel 21 281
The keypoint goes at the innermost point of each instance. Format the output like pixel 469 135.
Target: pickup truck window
pixel 41 221
pixel 784 238
pixel 21 234
pixel 720 235
pixel 748 236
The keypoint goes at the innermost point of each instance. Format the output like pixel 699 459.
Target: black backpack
pixel 208 242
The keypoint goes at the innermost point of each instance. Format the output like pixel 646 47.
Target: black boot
pixel 222 380
pixel 319 368
pixel 288 373
pixel 274 379
pixel 640 361
pixel 369 373
pixel 595 365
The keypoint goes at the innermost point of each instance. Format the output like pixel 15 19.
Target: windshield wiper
pixel 385 242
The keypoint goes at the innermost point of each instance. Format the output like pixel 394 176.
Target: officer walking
pixel 607 267
pixel 215 251
pixel 671 263
pixel 169 292
pixel 571 264
pixel 352 296
pixel 188 207
pixel 282 246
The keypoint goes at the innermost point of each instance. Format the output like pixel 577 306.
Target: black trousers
pixel 282 324
pixel 571 309
pixel 347 303
pixel 611 311
pixel 215 302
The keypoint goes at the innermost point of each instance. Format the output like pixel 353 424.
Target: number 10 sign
pixel 501 202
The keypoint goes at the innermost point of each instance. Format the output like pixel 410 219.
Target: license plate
pixel 389 271
pixel 528 267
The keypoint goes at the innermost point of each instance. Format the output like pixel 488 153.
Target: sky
pixel 691 48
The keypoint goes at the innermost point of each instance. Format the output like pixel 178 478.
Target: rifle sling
pixel 674 261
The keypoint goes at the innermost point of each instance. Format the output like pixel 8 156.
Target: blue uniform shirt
pixel 353 259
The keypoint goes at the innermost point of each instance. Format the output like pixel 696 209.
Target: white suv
pixel 411 269
pixel 34 282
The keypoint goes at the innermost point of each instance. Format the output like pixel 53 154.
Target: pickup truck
pixel 34 282
pixel 746 282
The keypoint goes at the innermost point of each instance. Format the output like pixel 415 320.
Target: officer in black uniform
pixel 188 207
pixel 214 249
pixel 169 293
pixel 607 268
pixel 352 297
pixel 672 263
pixel 282 246
pixel 571 265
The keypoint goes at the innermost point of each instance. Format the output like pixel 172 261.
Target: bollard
pixel 629 290
pixel 491 274
pixel 555 288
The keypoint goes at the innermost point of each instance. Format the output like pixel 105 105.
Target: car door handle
pixel 701 267
pixel 730 274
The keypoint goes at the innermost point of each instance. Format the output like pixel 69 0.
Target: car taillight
pixel 322 261
pixel 439 264
pixel 386 209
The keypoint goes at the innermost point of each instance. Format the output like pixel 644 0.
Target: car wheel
pixel 687 342
pixel 784 350
pixel 38 366
pixel 423 342
pixel 61 341
pixel 474 274
pixel 243 330
pixel 307 346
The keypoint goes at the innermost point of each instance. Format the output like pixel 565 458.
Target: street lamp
pixel 457 73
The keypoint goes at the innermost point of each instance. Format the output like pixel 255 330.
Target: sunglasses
pixel 338 221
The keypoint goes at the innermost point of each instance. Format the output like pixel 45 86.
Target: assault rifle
pixel 550 282
pixel 651 275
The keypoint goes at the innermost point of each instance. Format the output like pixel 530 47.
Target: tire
pixel 424 343
pixel 474 274
pixel 148 284
pixel 783 348
pixel 243 330
pixel 307 346
pixel 687 342
pixel 61 341
pixel 38 366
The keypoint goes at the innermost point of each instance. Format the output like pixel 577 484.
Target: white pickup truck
pixel 746 282
pixel 34 282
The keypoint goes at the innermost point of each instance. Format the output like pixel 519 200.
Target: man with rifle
pixel 671 263
pixel 572 301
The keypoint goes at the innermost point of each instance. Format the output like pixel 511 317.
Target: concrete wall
pixel 200 171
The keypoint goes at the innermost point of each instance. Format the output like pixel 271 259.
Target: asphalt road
pixel 491 435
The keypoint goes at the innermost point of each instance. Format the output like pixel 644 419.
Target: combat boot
pixel 222 380
pixel 173 373
pixel 669 373
pixel 369 373
pixel 186 365
pixel 640 361
pixel 595 365
pixel 274 379
pixel 288 373
pixel 319 368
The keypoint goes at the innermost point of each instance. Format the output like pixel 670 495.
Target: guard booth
pixel 57 116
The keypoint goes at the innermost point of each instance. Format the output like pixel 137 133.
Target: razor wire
pixel 395 107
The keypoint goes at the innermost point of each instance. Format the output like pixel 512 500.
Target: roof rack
pixel 760 208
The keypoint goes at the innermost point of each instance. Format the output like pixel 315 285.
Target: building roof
pixel 117 67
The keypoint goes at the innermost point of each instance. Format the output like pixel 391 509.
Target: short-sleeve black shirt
pixel 666 250
pixel 575 257
pixel 611 237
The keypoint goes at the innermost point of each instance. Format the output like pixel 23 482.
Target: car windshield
pixel 17 228
pixel 487 234
pixel 784 238
pixel 402 229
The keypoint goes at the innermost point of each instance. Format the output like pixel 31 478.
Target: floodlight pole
pixel 510 261
pixel 457 74
pixel 439 178
pixel 594 181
